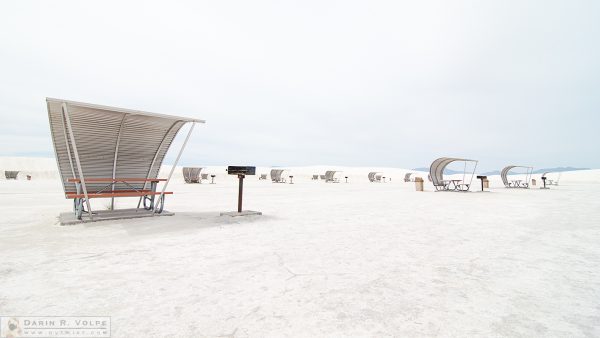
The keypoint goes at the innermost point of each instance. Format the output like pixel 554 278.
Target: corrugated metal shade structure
pixel 504 174
pixel 330 175
pixel 192 175
pixel 276 175
pixel 436 171
pixel 372 175
pixel 94 141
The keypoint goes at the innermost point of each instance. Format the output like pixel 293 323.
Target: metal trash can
pixel 418 184
pixel 533 182
pixel 486 183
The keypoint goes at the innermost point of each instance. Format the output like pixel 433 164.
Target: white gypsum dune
pixel 356 259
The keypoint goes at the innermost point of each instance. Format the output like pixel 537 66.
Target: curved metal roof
pixel 504 172
pixel 330 174
pixel 372 175
pixel 436 171
pixel 276 174
pixel 109 142
pixel 191 174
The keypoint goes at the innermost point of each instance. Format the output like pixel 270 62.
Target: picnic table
pixel 110 190
pixel 455 183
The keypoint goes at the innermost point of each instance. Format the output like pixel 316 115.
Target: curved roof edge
pixel 124 111
pixel 505 170
pixel 436 170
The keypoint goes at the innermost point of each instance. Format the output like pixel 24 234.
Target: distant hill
pixel 420 169
pixel 490 173
pixel 557 170
pixel 516 172
pixel 446 171
pixel 538 171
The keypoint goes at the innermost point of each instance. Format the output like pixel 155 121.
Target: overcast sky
pixel 360 83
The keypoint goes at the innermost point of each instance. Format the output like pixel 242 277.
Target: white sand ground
pixel 356 259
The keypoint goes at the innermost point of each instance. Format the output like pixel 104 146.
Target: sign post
pixel 240 191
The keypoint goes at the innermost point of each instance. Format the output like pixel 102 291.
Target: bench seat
pixel 118 193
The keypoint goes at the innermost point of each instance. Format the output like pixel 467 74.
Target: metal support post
pixel 240 191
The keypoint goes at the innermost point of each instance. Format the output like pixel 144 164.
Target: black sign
pixel 241 170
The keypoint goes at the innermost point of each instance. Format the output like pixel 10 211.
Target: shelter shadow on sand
pixel 181 221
